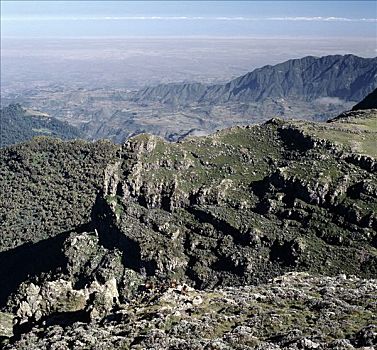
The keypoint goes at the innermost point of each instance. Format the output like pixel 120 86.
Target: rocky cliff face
pixel 212 242
pixel 187 199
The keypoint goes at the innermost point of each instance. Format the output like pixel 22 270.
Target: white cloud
pixel 323 19
pixel 187 18
pixel 330 101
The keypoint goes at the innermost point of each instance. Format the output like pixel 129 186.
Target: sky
pixel 38 19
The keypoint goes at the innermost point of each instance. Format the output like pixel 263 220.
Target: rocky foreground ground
pixel 294 311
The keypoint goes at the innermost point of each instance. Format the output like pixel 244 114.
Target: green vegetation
pixel 357 131
pixel 19 125
pixel 48 187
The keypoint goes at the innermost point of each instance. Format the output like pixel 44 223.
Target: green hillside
pixel 19 124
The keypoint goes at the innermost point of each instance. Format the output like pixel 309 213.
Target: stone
pixel 6 325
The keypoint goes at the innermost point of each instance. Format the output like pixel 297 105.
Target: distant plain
pixel 137 62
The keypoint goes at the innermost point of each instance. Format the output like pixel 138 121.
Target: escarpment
pixel 243 206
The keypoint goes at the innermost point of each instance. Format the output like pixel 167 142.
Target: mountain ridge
pixel 296 89
pixel 279 81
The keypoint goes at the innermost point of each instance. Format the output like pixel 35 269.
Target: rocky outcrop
pixel 185 224
pixel 365 162
pixel 6 325
pixel 85 289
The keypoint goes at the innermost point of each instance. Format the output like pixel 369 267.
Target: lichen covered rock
pixel 293 311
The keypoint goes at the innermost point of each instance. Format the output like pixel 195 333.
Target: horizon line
pixel 188 18
pixel 156 37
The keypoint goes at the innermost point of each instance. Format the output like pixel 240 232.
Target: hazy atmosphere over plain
pixel 141 43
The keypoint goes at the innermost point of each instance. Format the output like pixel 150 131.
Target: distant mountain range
pixel 19 124
pixel 347 77
pixel 309 88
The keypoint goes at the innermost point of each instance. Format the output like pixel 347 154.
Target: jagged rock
pixel 83 252
pixel 91 283
pixel 6 325
pixel 88 260
pixel 148 205
pixel 52 297
pixel 59 297
pixel 102 299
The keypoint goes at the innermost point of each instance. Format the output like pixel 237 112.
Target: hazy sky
pixel 188 18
